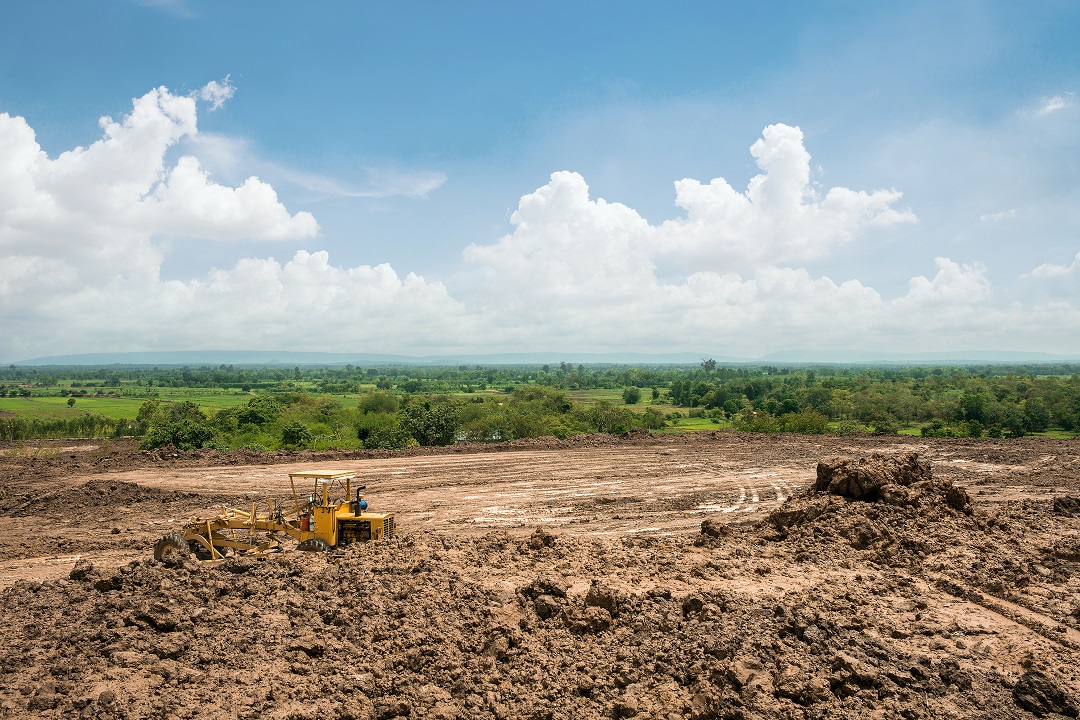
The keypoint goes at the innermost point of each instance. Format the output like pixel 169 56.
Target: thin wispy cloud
pixel 176 8
pixel 1057 102
pixel 998 216
pixel 232 156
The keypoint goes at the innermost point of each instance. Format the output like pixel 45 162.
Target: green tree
pixel 260 411
pixel 1036 415
pixel 296 434
pixel 808 421
pixel 145 416
pixel 608 418
pixel 885 424
pixel 430 424
pixel 378 402
pixel 654 418
pixel 631 395
pixel 750 420
pixel 936 428
pixel 182 425
pixel 71 402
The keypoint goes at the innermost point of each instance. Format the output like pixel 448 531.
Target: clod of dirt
pixel 1067 549
pixel 545 585
pixel 541 539
pixel 1040 695
pixel 601 596
pixel 82 570
pixel 958 499
pixel 867 478
pixel 714 529
pixel 1067 506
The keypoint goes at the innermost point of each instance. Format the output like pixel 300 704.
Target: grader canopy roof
pixel 323 474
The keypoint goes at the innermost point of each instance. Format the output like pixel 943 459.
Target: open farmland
pixel 793 604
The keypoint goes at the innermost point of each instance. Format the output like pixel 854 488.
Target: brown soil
pixel 694 576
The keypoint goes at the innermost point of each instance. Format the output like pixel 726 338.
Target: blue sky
pixel 500 177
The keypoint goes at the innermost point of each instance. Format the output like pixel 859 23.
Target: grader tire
pixel 171 550
pixel 313 545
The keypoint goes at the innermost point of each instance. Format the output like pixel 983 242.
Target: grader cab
pixel 330 513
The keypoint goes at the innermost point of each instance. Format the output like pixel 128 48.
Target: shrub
pixel 750 420
pixel 807 421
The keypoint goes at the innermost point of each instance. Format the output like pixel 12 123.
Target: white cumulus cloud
pixel 1050 270
pixel 216 93
pixel 82 248
pixel 779 218
pixel 578 273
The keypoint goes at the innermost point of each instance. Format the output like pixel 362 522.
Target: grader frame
pixel 329 517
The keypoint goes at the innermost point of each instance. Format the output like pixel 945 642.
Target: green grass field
pixel 696 425
pixel 51 407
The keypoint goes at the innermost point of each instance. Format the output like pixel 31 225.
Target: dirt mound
pixel 442 627
pixel 93 494
pixel 870 477
pixel 890 504
pixel 898 479
pixel 498 628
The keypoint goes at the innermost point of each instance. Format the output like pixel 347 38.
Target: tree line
pixel 399 406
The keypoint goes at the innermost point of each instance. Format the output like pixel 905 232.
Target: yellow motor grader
pixel 329 516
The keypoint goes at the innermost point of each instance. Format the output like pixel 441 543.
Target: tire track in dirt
pixel 581 491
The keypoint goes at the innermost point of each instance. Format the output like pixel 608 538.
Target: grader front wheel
pixel 171 549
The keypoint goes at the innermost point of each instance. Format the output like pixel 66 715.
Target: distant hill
pixel 789 357
pixel 959 357
pixel 282 357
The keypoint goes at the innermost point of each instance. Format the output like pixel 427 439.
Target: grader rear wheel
pixel 171 549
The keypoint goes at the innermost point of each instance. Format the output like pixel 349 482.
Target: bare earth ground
pixel 796 604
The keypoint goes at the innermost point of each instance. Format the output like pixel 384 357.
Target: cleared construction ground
pixel 791 604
